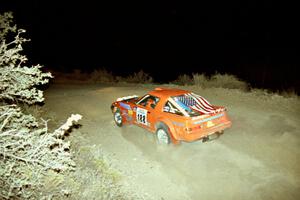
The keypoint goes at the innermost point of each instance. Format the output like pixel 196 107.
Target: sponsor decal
pixel 209 119
pixel 141 116
pixel 124 105
pixel 130 112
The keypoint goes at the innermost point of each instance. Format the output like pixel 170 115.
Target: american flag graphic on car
pixel 197 103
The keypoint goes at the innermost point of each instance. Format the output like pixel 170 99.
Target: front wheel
pixel 163 136
pixel 118 118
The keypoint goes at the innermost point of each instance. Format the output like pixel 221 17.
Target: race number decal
pixel 141 116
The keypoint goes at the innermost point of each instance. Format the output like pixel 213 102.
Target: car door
pixel 144 112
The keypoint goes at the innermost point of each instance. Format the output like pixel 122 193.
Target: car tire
pixel 163 135
pixel 118 117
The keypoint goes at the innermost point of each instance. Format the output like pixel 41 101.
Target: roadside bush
pixel 289 93
pixel 200 80
pixel 76 76
pixel 183 80
pixel 215 81
pixel 28 152
pixel 101 76
pixel 227 81
pixel 137 77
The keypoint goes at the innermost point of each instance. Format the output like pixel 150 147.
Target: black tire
pixel 118 117
pixel 163 134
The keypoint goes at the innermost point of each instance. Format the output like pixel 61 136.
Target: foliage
pixel 136 77
pixel 200 80
pixel 227 81
pixel 6 26
pixel 215 81
pixel 17 82
pixel 101 76
pixel 183 79
pixel 27 152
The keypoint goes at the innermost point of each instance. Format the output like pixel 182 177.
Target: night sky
pixel 255 40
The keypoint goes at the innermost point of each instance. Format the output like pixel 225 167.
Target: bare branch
pixel 27 151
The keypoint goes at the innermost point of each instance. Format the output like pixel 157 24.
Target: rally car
pixel 173 114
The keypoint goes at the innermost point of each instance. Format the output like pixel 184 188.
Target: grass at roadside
pixel 93 177
pixel 215 81
pixel 101 76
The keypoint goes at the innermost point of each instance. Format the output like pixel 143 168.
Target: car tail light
pixel 194 128
pixel 188 129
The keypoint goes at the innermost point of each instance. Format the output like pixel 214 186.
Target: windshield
pixel 193 104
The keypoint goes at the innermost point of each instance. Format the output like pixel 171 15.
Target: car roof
pixel 167 92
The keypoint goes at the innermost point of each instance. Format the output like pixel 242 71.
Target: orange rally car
pixel 174 115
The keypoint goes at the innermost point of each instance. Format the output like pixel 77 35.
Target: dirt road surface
pixel 257 158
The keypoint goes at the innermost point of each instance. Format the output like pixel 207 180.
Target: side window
pixel 149 100
pixel 170 108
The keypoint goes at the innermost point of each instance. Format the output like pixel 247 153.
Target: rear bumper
pixel 189 137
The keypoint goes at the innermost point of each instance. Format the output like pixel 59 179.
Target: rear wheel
pixel 162 133
pixel 118 117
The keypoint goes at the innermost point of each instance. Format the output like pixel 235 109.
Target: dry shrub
pixel 267 94
pixel 34 110
pixel 136 77
pixel 27 152
pixel 101 76
pixel 289 93
pixel 215 81
pixel 183 80
pixel 76 76
pixel 200 80
pixel 227 81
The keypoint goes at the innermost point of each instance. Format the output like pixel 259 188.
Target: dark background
pixel 255 40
